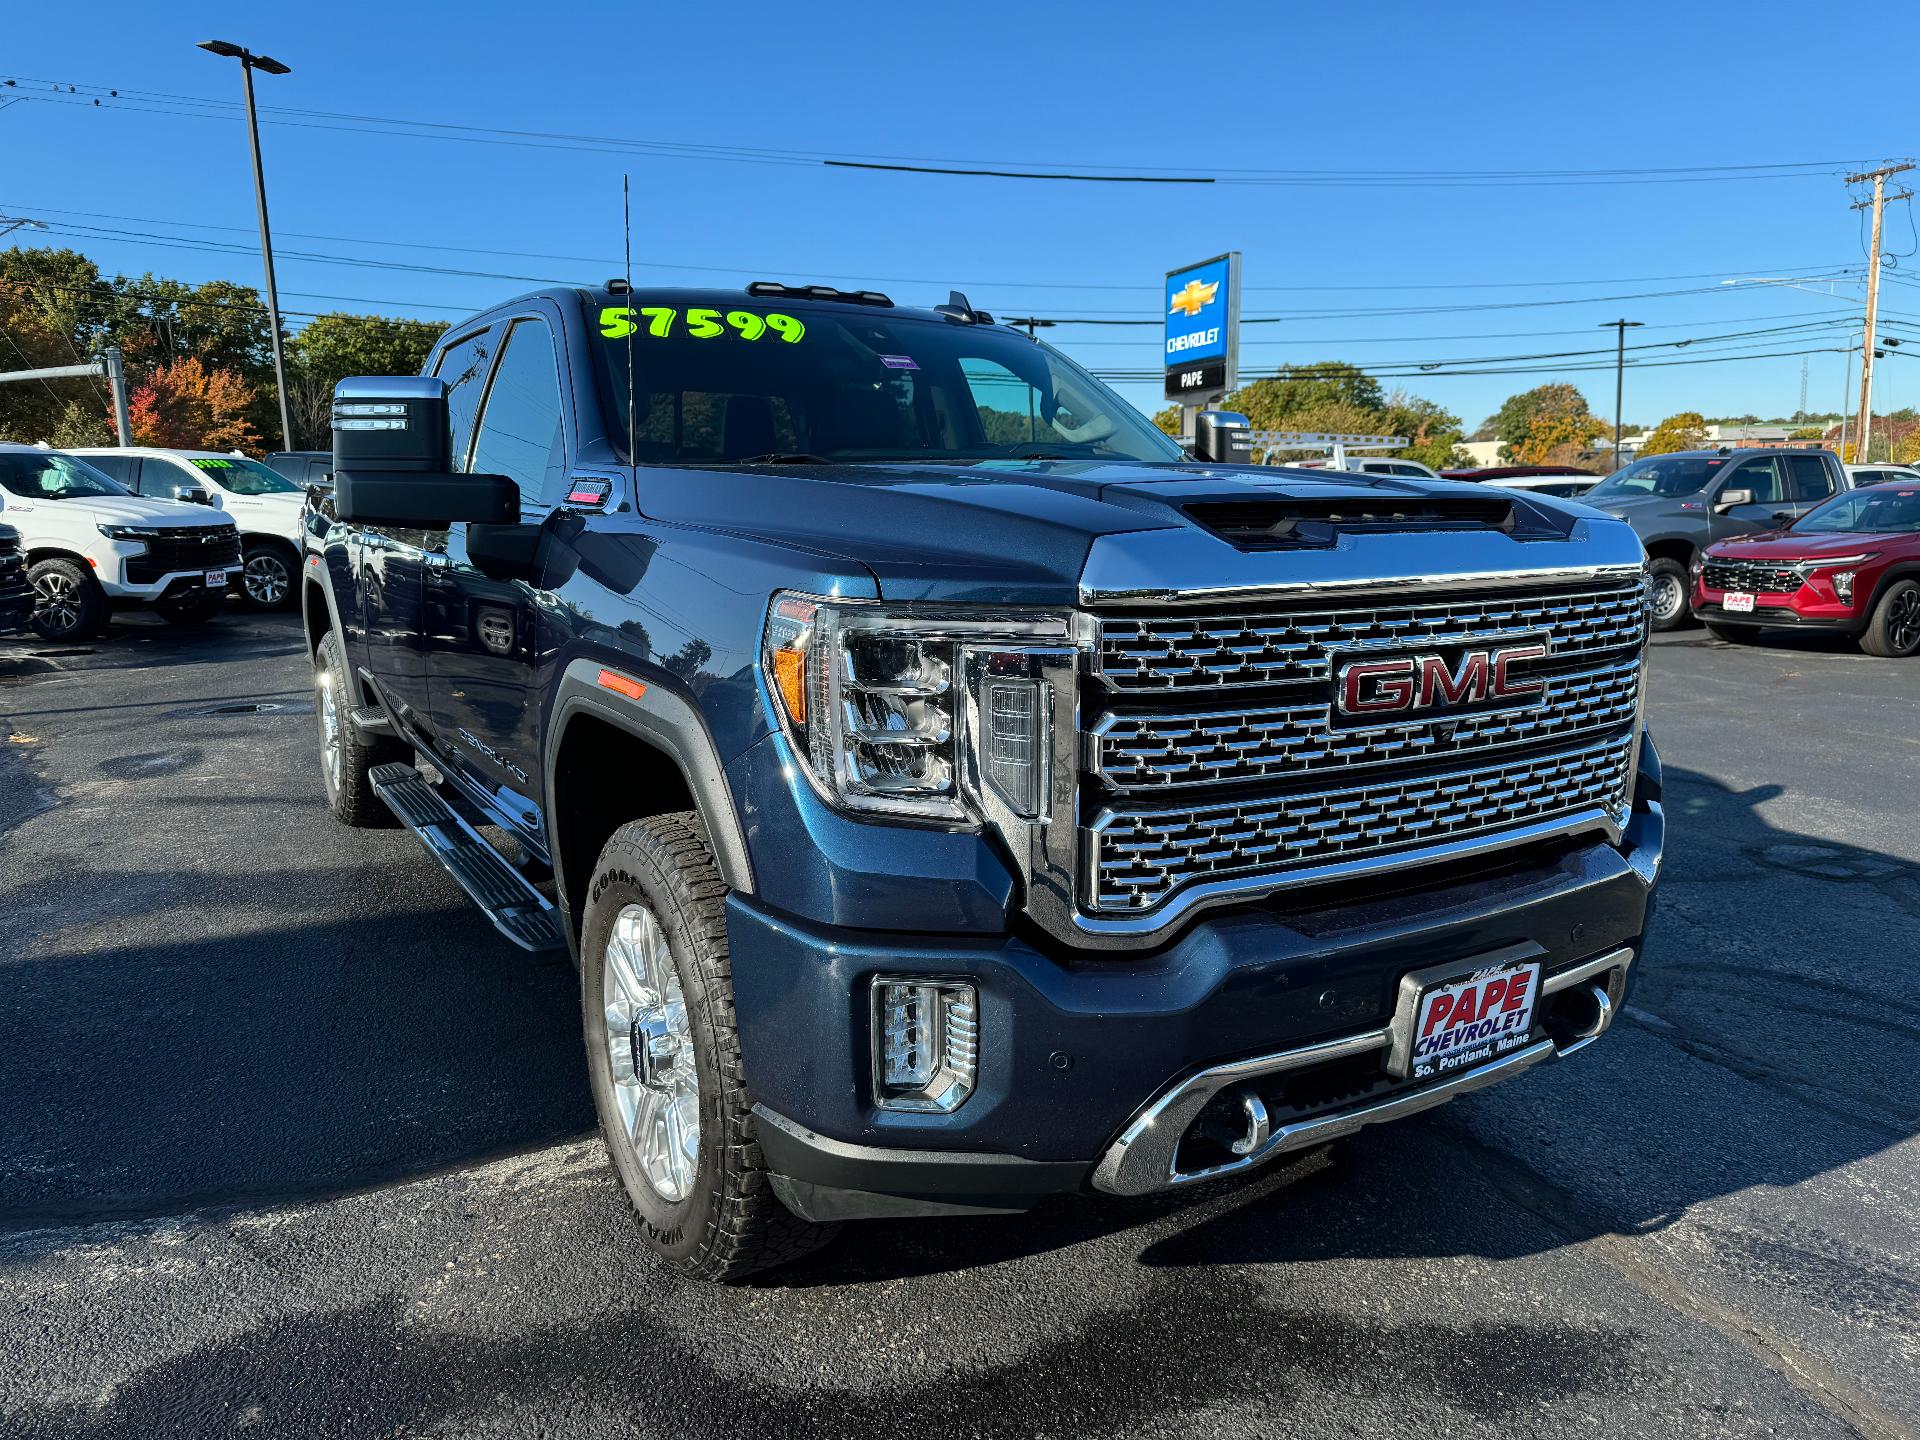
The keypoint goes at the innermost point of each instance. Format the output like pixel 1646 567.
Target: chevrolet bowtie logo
pixel 1193 298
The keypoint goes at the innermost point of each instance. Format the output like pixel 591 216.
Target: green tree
pixel 1277 402
pixel 337 345
pixel 1547 425
pixel 1807 432
pixel 1431 430
pixel 1168 420
pixel 1685 431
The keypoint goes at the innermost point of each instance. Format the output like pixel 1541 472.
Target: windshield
pixel 1660 475
pixel 1865 512
pixel 48 476
pixel 243 477
pixel 854 383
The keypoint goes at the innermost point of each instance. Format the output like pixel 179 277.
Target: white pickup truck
pixel 91 545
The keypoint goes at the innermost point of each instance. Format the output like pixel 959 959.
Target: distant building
pixel 1480 453
pixel 1733 437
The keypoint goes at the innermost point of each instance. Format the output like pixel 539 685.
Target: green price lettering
pixel 617 322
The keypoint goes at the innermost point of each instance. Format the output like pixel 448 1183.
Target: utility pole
pixel 250 62
pixel 1803 389
pixel 1620 328
pixel 1879 178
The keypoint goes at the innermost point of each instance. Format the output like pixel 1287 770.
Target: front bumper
pixel 1083 1054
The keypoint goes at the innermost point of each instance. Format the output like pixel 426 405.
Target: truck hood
pixel 1001 531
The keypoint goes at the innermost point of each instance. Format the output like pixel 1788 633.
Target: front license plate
pixel 216 579
pixel 1738 601
pixel 1454 1022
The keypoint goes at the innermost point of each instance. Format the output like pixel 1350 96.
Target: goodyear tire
pixel 347 758
pixel 663 1054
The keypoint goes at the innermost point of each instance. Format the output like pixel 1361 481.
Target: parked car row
pixel 90 545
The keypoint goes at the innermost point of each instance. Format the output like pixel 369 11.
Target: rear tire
pixel 654 963
pixel 266 581
pixel 1735 634
pixel 68 603
pixel 1894 631
pixel 346 758
pixel 1667 597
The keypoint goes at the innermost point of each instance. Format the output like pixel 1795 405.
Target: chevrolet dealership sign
pixel 1202 338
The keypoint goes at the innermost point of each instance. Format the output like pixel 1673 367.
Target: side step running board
pixel 518 911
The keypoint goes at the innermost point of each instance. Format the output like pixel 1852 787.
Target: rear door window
pixel 1808 479
pixel 124 468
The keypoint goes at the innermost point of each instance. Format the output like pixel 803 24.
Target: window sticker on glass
pixel 208 462
pixel 899 362
pixel 617 322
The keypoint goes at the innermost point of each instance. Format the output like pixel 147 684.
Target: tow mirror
pixel 1223 437
pixel 392 459
pixel 1730 498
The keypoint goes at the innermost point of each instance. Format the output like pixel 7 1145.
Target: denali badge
pixel 1405 684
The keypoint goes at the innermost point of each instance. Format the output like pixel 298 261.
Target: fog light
pixel 1843 585
pixel 926 1043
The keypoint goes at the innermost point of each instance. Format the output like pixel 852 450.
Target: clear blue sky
pixel 1119 86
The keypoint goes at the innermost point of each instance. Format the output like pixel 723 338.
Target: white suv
pixel 91 545
pixel 263 503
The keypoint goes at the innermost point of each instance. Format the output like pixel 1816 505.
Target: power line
pixel 160 102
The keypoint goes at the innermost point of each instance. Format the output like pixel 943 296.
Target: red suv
pixel 1852 565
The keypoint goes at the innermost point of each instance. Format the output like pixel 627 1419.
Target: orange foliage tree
pixel 185 405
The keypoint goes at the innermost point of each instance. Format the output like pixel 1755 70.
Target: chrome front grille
pixel 1755 577
pixel 1241 647
pixel 1215 764
pixel 1138 857
pixel 1152 749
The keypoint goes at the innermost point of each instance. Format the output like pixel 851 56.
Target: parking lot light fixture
pixel 250 62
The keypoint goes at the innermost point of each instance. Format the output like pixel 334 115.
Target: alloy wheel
pixel 650 1051
pixel 57 606
pixel 1903 621
pixel 265 579
pixel 329 712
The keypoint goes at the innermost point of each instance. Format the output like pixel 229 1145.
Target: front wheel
pixel 663 1055
pixel 1667 594
pixel 346 757
pixel 1894 631
pixel 68 603
pixel 267 581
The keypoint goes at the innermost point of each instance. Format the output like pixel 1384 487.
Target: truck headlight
pixel 125 533
pixel 911 711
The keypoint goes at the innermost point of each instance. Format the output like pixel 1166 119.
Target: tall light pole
pixel 1619 377
pixel 250 62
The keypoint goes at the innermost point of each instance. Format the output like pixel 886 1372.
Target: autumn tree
pixel 337 345
pixel 186 405
pixel 1547 425
pixel 1685 431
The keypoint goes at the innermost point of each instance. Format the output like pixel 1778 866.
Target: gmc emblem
pixel 1405 684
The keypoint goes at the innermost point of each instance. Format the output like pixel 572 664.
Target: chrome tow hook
pixel 1251 1131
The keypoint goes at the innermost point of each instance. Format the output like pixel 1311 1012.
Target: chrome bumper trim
pixel 1143 1159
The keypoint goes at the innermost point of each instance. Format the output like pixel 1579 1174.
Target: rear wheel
pixel 663 1056
pixel 1667 593
pixel 1894 630
pixel 1734 634
pixel 68 603
pixel 267 581
pixel 346 757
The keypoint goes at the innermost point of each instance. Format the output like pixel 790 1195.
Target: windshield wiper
pixel 786 457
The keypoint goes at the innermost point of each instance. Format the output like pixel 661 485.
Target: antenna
pixel 626 215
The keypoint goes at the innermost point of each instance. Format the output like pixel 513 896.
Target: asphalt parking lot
pixel 294 1145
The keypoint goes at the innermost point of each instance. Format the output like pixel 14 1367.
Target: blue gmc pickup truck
pixel 951 791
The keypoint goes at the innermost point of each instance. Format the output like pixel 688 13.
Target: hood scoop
pixel 1316 523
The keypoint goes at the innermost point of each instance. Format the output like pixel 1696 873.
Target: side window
pixel 463 365
pixel 1808 478
pixel 124 468
pixel 1762 477
pixel 520 433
